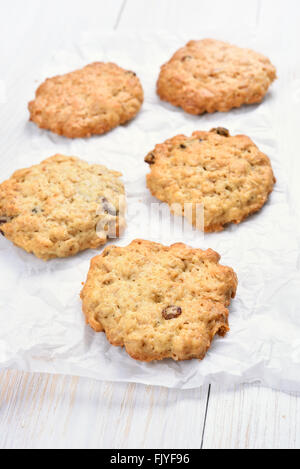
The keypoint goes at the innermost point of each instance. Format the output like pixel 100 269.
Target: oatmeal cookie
pixel 210 75
pixel 89 101
pixel 159 302
pixel 62 206
pixel 226 175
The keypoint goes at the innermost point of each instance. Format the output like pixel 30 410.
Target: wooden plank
pixel 43 411
pixel 252 417
pixel 32 32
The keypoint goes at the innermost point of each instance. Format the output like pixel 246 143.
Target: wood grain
pixel 43 411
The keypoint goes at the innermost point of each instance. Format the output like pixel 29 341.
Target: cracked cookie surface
pixel 62 206
pixel 86 102
pixel 210 75
pixel 226 175
pixel 159 302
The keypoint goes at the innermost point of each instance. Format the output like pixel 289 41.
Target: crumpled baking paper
pixel 42 327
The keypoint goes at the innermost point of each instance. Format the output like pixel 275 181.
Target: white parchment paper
pixel 42 327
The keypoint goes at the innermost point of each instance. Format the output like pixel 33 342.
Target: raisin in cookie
pixel 228 176
pixel 89 101
pixel 62 206
pixel 210 75
pixel 159 302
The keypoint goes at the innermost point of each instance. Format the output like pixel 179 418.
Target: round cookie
pixel 228 176
pixel 159 302
pixel 89 101
pixel 210 75
pixel 62 206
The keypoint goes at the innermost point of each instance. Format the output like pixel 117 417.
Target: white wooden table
pixel 41 411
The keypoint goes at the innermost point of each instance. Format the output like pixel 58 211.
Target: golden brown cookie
pixel 62 206
pixel 210 75
pixel 228 176
pixel 89 101
pixel 159 302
